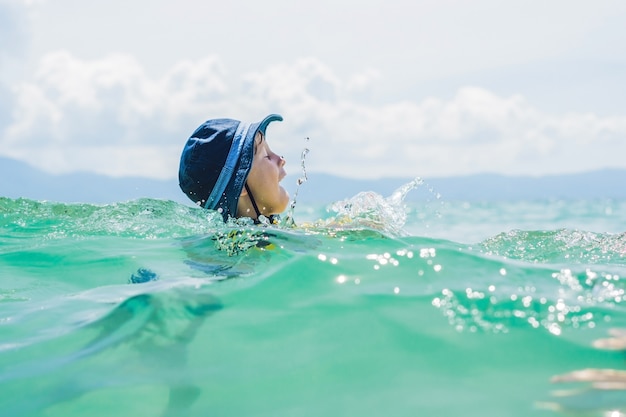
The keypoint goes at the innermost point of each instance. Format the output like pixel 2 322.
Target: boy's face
pixel 264 179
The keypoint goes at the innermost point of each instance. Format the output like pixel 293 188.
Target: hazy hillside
pixel 20 180
pixel 491 187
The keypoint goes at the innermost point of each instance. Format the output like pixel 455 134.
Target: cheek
pixel 256 172
pixel 261 183
pixel 265 173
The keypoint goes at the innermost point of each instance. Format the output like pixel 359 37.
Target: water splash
pixel 371 210
pixel 289 221
pixel 398 196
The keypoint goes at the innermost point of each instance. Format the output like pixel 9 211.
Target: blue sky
pixel 382 88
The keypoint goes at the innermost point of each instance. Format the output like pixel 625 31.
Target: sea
pixel 368 306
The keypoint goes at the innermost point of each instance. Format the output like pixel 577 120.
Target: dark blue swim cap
pixel 216 161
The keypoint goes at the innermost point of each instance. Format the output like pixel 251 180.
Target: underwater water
pixel 369 307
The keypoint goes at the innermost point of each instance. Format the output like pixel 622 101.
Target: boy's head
pixel 216 163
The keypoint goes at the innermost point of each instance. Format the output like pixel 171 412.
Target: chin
pixel 285 201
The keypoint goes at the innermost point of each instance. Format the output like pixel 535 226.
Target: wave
pixel 559 246
pixel 150 292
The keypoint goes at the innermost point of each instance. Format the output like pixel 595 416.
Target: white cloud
pixel 109 116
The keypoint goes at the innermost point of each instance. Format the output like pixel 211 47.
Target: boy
pixel 227 165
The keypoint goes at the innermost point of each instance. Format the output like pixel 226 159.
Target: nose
pixel 282 161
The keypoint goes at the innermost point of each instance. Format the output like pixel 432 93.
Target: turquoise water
pixel 369 307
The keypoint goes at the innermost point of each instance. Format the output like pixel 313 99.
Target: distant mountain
pixel 18 179
pixel 609 183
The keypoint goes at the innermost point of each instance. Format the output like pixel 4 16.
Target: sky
pixel 374 88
